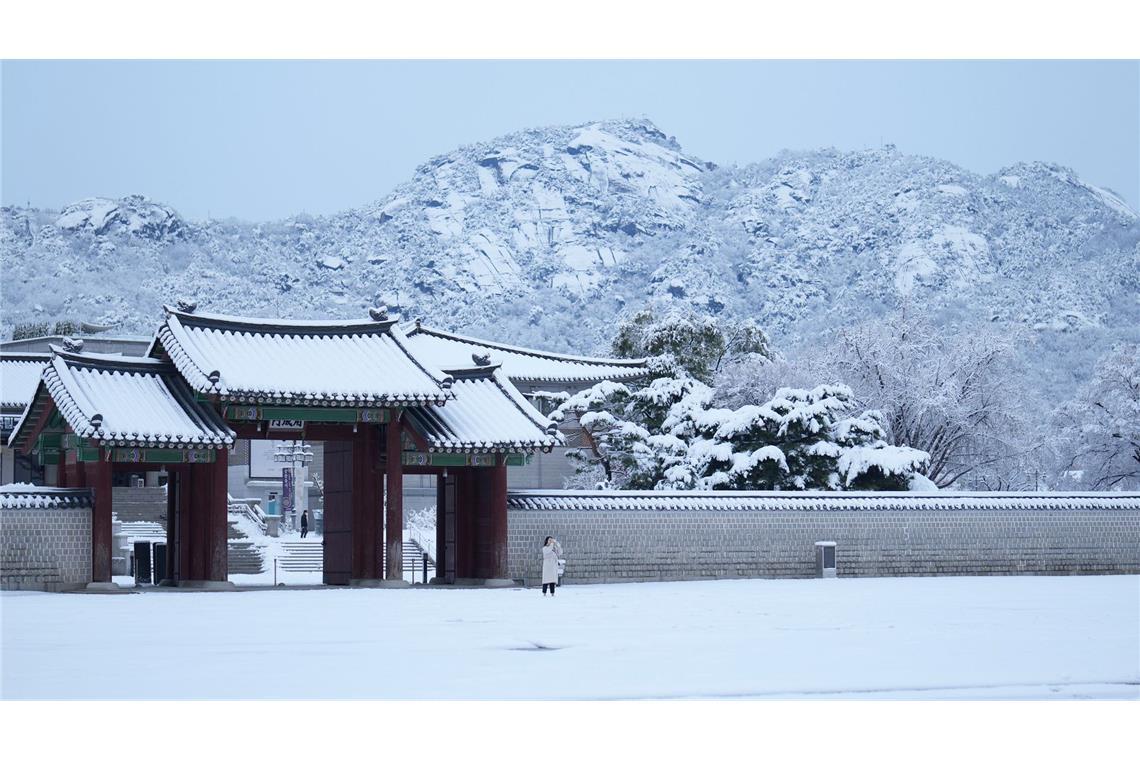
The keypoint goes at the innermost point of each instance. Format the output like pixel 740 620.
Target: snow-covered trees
pixel 1101 425
pixel 700 344
pixel 628 432
pixel 940 391
pixel 668 436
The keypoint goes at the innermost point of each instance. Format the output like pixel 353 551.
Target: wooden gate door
pixel 338 513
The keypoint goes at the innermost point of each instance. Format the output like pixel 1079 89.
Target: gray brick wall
pixel 647 545
pixel 45 549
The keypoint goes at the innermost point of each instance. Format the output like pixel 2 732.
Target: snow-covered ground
pixel 952 637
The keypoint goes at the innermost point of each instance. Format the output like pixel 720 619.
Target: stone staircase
pixel 139 504
pixel 413 557
pixel 244 558
pixel 302 556
pixel 144 531
pixel 308 556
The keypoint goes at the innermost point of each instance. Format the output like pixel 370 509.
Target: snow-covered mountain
pixel 546 236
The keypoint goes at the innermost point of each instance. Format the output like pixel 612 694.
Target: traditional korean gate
pixel 338 513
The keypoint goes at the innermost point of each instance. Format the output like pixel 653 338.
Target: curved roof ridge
pixel 267 324
pixel 25 356
pixel 103 361
pixel 592 360
pixel 548 426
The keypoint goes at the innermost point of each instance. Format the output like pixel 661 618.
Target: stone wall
pixel 647 545
pixel 46 549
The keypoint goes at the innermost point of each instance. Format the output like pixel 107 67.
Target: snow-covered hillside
pixel 545 236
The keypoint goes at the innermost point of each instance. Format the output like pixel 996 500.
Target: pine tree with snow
pixel 699 344
pixel 667 435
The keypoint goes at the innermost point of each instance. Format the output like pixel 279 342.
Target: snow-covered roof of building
pixel 817 500
pixel 445 350
pixel 487 414
pixel 124 401
pixel 129 345
pixel 19 376
pixel 28 496
pixel 318 363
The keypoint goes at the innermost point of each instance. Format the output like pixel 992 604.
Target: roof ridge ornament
pixel 378 313
pixel 214 377
pixel 187 305
pixel 481 358
pixel 97 420
pixel 74 345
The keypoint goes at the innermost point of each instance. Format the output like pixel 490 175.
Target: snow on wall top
pixel 121 401
pixel 447 350
pixel 323 363
pixel 815 500
pixel 28 496
pixel 19 376
pixel 487 414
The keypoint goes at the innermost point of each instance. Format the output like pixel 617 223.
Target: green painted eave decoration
pixel 164 456
pixel 246 413
pixel 442 459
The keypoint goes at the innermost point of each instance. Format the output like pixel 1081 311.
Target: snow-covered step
pixel 144 531
pixel 244 558
pixel 301 556
pixel 139 504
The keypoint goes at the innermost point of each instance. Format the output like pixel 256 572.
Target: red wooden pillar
pixel 497 504
pixel 98 477
pixel 338 542
pixel 441 495
pixel 394 503
pixel 466 507
pixel 217 517
pixel 366 538
pixel 173 512
pixel 200 492
pixel 185 549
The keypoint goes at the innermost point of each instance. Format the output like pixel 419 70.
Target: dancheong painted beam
pixel 251 413
pixel 420 459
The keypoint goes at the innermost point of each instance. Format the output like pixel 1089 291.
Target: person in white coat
pixel 551 553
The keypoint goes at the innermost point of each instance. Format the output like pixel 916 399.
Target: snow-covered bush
pixel 668 436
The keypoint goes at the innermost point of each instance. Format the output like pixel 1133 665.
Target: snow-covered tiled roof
pixel 487 414
pixel 445 350
pixel 817 500
pixel 125 401
pixel 19 376
pixel 319 363
pixel 27 496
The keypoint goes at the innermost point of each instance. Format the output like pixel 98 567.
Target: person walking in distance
pixel 304 523
pixel 551 553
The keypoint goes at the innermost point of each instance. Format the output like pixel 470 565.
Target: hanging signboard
pixel 286 489
pixel 286 424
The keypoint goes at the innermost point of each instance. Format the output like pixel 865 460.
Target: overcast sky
pixel 264 140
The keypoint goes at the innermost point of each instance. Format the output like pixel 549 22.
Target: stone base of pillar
pixel 104 588
pixel 208 585
pixel 499 583
pixel 365 583
pixel 393 583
